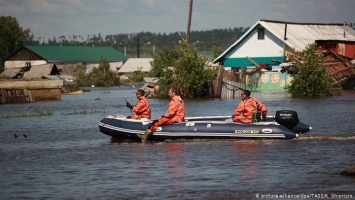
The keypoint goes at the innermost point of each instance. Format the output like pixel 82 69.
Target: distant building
pixel 267 42
pixel 134 66
pixel 64 57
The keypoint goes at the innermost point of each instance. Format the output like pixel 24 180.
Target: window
pixel 261 33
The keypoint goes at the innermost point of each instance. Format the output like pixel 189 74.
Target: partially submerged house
pixel 44 70
pixel 267 42
pixel 65 57
pixel 134 66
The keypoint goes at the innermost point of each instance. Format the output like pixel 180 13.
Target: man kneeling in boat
pixel 174 114
pixel 248 108
pixel 142 108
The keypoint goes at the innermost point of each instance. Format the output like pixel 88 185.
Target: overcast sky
pixel 48 18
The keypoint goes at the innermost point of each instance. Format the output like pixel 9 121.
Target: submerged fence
pixel 231 89
pixel 19 91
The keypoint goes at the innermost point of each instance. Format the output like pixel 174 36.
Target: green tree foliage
pixel 183 69
pixel 81 76
pixel 12 36
pixel 312 79
pixel 216 51
pixel 101 76
pixel 138 76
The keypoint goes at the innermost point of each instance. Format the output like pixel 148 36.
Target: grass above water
pixel 40 113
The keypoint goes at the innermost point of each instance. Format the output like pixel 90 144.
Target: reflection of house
pixel 268 41
pixel 134 66
pixel 65 57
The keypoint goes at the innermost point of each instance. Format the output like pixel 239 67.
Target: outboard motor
pixel 287 118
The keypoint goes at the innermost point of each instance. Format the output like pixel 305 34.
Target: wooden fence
pixel 230 89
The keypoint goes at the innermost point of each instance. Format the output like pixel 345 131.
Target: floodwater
pixel 64 156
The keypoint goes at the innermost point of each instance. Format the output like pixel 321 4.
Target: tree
pixel 81 76
pixel 311 79
pixel 216 51
pixel 183 69
pixel 101 76
pixel 12 36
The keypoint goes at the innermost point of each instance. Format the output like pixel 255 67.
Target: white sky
pixel 49 18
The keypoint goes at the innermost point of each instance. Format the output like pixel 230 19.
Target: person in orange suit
pixel 247 107
pixel 174 114
pixel 142 108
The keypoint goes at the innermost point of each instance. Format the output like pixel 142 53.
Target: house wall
pixel 46 94
pixel 268 81
pixel 19 91
pixel 347 50
pixel 21 84
pixel 261 51
pixel 22 63
pixel 115 66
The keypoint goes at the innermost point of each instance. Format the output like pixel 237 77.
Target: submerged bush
pixel 312 79
pixel 17 114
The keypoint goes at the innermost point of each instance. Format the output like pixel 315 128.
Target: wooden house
pixel 44 70
pixel 267 43
pixel 64 57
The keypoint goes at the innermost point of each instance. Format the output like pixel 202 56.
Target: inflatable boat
pixel 284 125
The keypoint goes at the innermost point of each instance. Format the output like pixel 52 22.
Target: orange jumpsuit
pixel 174 114
pixel 142 109
pixel 244 112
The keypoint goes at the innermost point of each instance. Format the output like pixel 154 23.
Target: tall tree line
pixel 203 41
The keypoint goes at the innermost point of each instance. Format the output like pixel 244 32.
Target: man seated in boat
pixel 174 114
pixel 142 108
pixel 248 108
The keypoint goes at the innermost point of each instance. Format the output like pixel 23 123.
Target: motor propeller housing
pixel 287 118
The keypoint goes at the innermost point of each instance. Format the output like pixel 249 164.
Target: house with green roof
pixel 65 56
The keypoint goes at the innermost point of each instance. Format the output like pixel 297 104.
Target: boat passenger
pixel 174 114
pixel 142 108
pixel 247 108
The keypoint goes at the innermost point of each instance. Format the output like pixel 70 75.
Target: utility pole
pixel 189 23
pixel 138 47
pixel 284 47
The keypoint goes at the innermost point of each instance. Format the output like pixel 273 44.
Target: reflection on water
pixel 175 161
pixel 64 156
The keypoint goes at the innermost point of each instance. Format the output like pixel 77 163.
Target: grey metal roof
pixel 38 71
pixel 136 64
pixel 11 72
pixel 299 35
